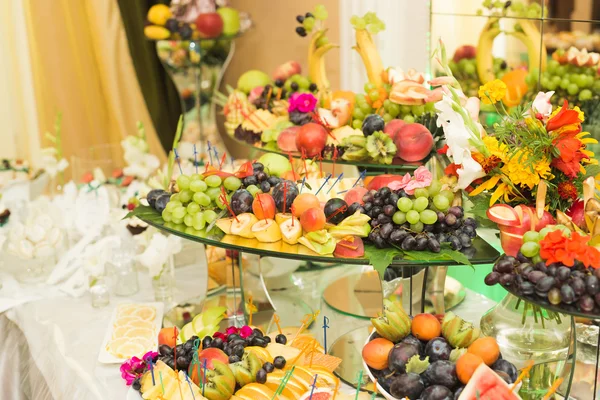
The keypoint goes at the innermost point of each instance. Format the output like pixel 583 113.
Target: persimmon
pixel 487 348
pixel 426 327
pixel 466 366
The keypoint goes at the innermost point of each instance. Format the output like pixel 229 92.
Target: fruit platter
pixel 429 358
pixel 408 218
pixel 194 20
pixel 236 363
pixel 392 123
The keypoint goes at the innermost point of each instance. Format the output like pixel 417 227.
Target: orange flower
pixel 562 118
pixel 556 248
pixel 570 154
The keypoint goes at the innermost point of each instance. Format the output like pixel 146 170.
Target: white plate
pixel 133 394
pixel 104 356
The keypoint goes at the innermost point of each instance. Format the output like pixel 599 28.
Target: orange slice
pixel 145 312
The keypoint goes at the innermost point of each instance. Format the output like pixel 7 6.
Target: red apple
pixel 511 234
pixel 576 212
pixel 467 51
pixel 286 140
pixel 286 70
pixel 391 128
pixel 414 142
pixel 312 139
pixel 351 247
pixel 503 214
pixel 355 195
pixel 209 25
pixel 382 180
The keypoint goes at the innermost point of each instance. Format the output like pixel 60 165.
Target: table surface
pixel 59 337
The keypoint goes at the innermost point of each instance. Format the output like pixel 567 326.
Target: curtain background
pixel 81 67
pixel 159 91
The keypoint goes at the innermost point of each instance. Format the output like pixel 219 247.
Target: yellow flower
pixel 521 175
pixel 492 91
pixel 576 108
pixel 571 127
pixel 495 148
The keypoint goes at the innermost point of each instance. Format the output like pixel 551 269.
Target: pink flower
pixel 400 185
pixel 303 102
pixel 221 335
pixel 231 330
pixel 245 331
pixel 421 179
pixel 134 367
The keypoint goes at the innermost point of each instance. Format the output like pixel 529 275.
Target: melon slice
pixel 485 384
pixel 503 214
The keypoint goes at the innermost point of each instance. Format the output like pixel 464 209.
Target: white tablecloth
pixel 49 347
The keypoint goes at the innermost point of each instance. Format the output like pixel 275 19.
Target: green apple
pixel 275 164
pixel 251 79
pixel 231 20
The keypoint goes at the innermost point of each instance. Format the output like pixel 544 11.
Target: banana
pixel 483 57
pixel 370 56
pixel 530 37
pixel 316 61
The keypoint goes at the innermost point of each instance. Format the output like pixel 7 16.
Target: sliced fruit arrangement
pixel 302 114
pixel 242 363
pixel 134 331
pixel 555 266
pixel 424 358
pixel 187 21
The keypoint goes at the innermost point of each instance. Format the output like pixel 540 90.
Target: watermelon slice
pixel 503 214
pixel 485 384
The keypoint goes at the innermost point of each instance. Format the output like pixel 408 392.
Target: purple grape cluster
pixel 575 287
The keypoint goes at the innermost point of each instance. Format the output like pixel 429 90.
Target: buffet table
pixel 51 341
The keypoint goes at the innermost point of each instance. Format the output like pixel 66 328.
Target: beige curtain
pixel 81 67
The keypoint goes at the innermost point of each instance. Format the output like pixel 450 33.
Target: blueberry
pixel 261 376
pixel 269 367
pixel 279 362
pixel 281 338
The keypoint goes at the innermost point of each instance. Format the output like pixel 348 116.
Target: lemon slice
pixel 125 310
pixel 114 344
pixel 121 321
pixel 140 324
pixel 139 332
pixel 145 312
pixel 120 331
pixel 129 349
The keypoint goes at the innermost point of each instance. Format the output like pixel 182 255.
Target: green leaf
pixel 146 213
pixel 380 259
pixel 445 253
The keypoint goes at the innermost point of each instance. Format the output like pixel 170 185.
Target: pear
pixel 225 224
pixel 291 230
pixel 242 225
pixel 280 217
pixel 266 231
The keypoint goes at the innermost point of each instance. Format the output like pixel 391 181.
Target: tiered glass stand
pixel 248 280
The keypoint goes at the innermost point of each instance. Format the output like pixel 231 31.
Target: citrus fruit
pixel 145 312
pixel 139 332
pixel 487 348
pixel 130 349
pixel 121 321
pixel 159 14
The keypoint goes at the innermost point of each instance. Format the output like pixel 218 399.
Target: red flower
pixel 562 118
pixel 443 149
pixel 567 191
pixel 556 248
pixel 570 154
pixel 451 169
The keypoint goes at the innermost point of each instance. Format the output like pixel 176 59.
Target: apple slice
pixel 266 231
pixel 280 217
pixel 242 225
pixel 291 230
pixel 527 216
pixel 224 224
pixel 503 214
pixel 511 242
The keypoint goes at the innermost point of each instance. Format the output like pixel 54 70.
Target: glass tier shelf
pixel 479 253
pixel 397 164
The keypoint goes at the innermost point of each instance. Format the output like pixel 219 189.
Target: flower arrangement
pixel 534 153
pixel 133 368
